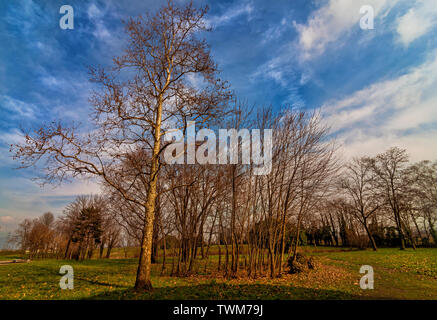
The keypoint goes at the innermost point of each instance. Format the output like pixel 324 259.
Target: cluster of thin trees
pixel 377 201
pixel 84 229
pixel 204 205
pixel 166 78
pixel 39 236
pixel 393 201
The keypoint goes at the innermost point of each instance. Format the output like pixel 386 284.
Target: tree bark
pixel 372 240
pixel 143 281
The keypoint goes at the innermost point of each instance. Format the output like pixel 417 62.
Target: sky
pixel 376 88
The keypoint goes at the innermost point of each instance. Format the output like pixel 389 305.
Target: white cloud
pixel 6 139
pixel 12 136
pixel 18 187
pixel 230 14
pixel 78 187
pixel 94 12
pixel 417 21
pixel 100 31
pixel 18 107
pixel 398 112
pixel 8 223
pixel 273 70
pixel 275 31
pixel 51 81
pixel 21 198
pixel 26 16
pixel 333 20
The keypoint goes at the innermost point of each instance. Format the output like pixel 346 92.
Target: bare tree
pixel 389 168
pixel 36 236
pixel 163 56
pixel 83 221
pixel 356 183
pixel 424 190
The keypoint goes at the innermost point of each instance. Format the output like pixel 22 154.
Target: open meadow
pixel 398 275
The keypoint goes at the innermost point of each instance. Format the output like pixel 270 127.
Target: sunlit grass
pixel 398 275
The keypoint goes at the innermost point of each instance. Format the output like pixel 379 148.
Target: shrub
pixel 301 263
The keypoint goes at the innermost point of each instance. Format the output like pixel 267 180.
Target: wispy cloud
pixel 24 199
pixel 334 20
pixel 399 111
pixel 17 107
pixel 417 22
pixel 275 31
pixel 12 136
pixel 96 16
pixel 245 8
pixel 287 78
pixel 8 223
pixel 25 17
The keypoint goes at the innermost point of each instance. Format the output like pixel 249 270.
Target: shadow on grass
pixel 99 283
pixel 227 292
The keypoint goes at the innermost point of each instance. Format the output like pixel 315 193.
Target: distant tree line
pixel 84 229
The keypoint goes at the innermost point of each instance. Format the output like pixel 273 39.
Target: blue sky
pixel 377 88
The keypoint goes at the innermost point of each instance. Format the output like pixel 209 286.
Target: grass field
pixel 398 275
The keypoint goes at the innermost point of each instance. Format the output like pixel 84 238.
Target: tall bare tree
pixel 356 183
pixel 424 190
pixel 165 78
pixel 391 182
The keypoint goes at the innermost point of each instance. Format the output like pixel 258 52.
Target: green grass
pixel 421 261
pixel 7 255
pixel 398 275
pixel 409 274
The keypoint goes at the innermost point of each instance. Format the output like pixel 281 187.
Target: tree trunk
pixel 432 231
pixel 67 249
pixel 164 254
pixel 296 243
pixel 416 225
pixel 401 233
pixel 102 246
pixel 372 241
pixel 272 261
pixel 281 258
pixel 220 256
pixel 143 281
pixel 108 251
pixel 144 267
pixel 90 252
